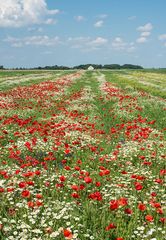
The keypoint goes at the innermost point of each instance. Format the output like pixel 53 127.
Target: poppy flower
pixel 149 218
pixel 26 194
pixel 98 184
pixel 162 220
pixel 67 234
pixel 138 186
pixel 75 187
pixel 95 196
pixel 110 226
pixel 31 204
pixel 22 184
pixel 88 179
pixel 62 178
pixel 75 195
pixel 39 196
pixel 128 211
pixel 2 190
pixel 38 203
pixel 123 201
pixel 114 205
pixel 142 207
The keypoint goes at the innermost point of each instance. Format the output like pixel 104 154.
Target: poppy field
pixel 83 156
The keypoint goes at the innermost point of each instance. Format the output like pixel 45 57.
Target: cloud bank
pixel 18 13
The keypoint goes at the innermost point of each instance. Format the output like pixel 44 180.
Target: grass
pixel 131 79
pixel 9 80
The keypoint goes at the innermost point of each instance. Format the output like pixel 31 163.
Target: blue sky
pixel 72 32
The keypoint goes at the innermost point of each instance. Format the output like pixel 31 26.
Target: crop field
pixel 82 155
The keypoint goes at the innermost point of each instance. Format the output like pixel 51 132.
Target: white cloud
pixel 33 40
pixel 50 21
pixel 162 37
pixel 87 43
pixel 34 29
pixel 141 40
pixel 103 16
pixel 78 42
pixel 99 41
pixel 17 13
pixel 118 44
pixel 145 34
pixel 131 47
pixel 99 24
pixel 52 12
pixel 146 28
pixel 79 18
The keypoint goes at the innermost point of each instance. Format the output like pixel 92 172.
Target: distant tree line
pixel 56 67
pixel 108 66
pixel 86 66
pixel 95 66
pixel 82 66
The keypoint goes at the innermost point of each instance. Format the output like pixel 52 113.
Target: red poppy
pixel 138 186
pixel 39 196
pixel 128 211
pixel 162 220
pixel 122 201
pixel 114 205
pixel 37 172
pixel 10 189
pixel 22 184
pixel 26 194
pixel 95 196
pixel 2 190
pixel 30 183
pixel 38 203
pixel 110 226
pixel 149 218
pixel 75 195
pixel 75 187
pixel 158 180
pixel 98 184
pixel 67 234
pixel 28 145
pixel 153 194
pixel 31 204
pixel 88 179
pixel 142 207
pixel 62 178
pixel 67 168
pixel 160 211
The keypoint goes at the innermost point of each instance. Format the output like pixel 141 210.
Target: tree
pixel 112 66
pixel 131 66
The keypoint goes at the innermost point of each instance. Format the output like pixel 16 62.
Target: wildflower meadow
pixel 83 155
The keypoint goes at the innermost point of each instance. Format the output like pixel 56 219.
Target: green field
pixel 10 79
